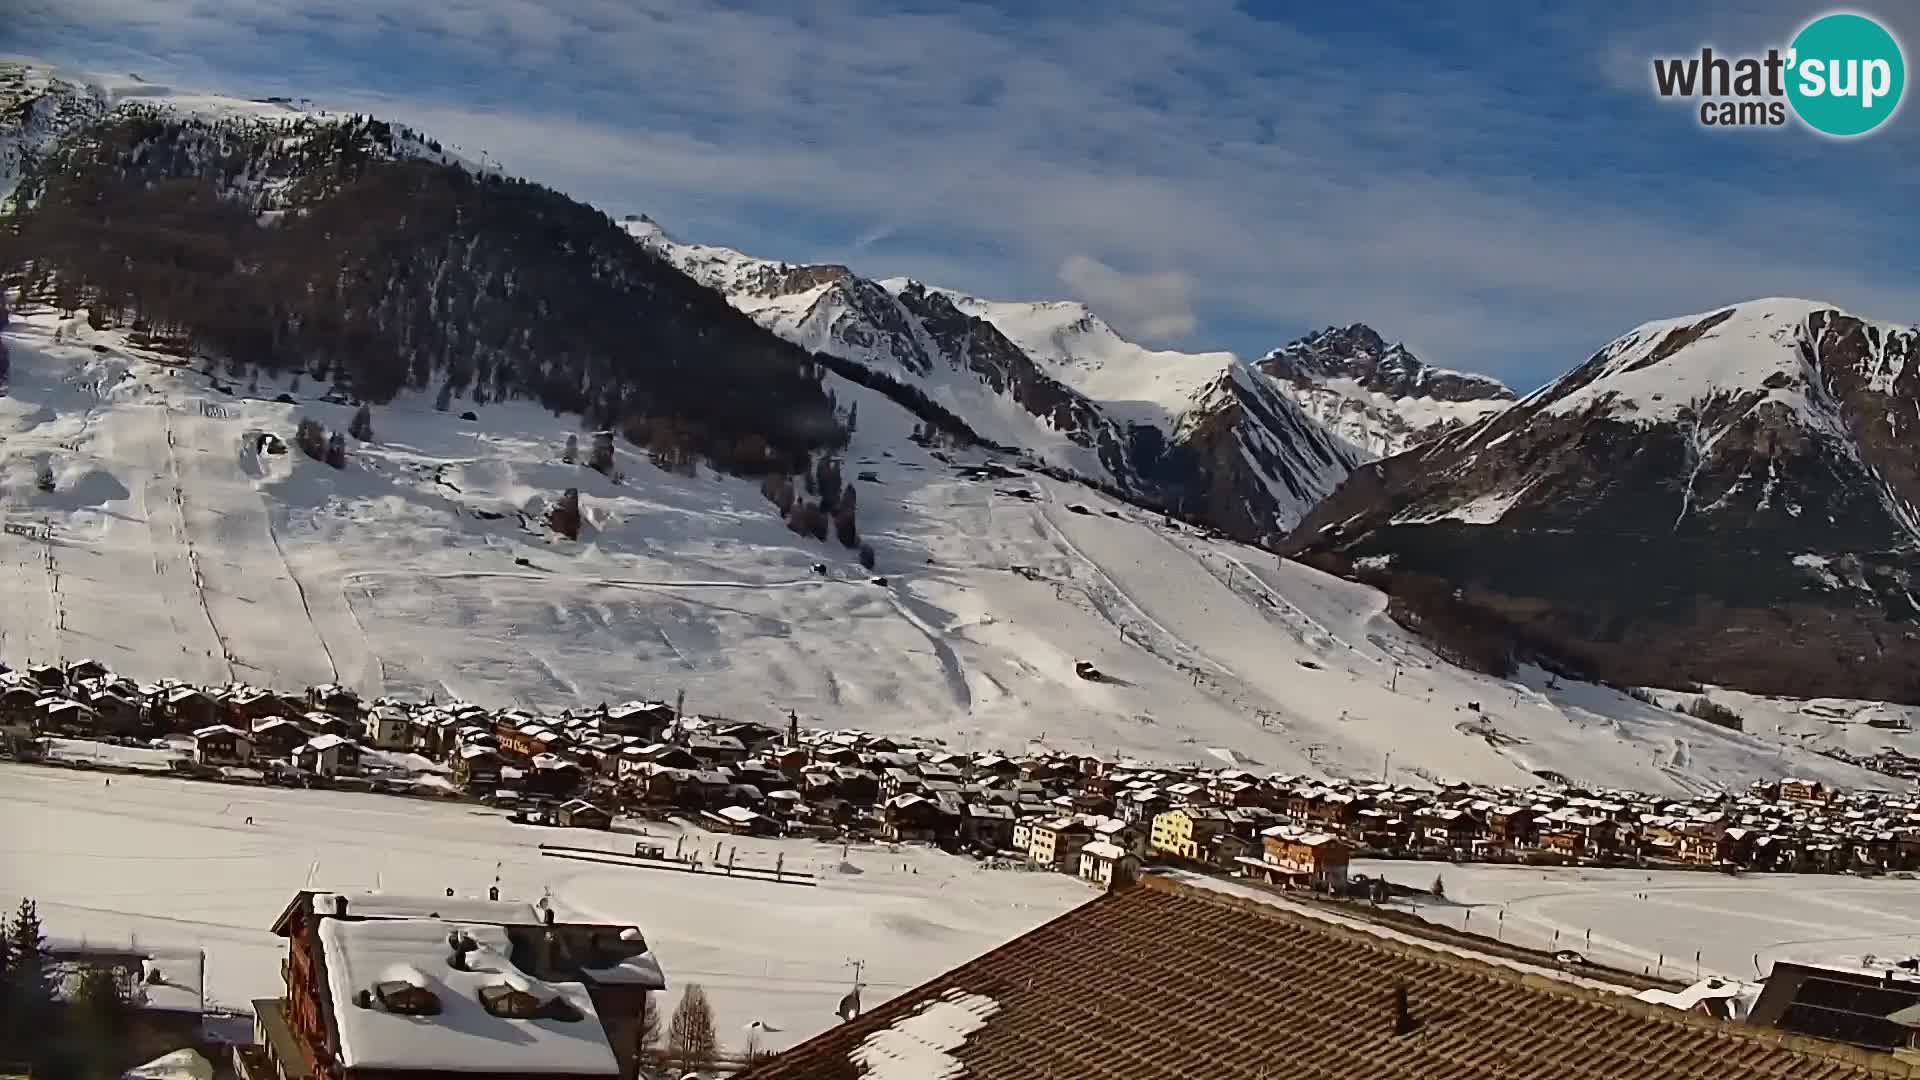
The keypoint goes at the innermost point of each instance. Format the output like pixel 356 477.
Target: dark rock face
pixel 1357 352
pixel 1757 532
pixel 1250 462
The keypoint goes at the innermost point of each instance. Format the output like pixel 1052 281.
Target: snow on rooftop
pixel 180 1065
pixel 463 1036
pixel 921 1046
pixel 1247 892
pixel 460 909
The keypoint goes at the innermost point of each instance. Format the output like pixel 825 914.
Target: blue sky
pixel 1495 184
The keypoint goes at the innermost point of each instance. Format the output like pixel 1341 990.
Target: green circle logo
pixel 1845 74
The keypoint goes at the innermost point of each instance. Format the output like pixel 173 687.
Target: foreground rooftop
pixel 1165 979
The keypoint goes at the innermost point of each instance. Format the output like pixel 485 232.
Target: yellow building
pixel 1057 843
pixel 1187 833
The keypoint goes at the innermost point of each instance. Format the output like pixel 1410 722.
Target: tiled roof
pixel 1165 980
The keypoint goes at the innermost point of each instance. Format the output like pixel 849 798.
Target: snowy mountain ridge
pixel 1054 378
pixel 1380 397
pixel 1725 481
pixel 41 103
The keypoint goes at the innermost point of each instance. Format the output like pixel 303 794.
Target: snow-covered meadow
pixel 173 863
pixel 1647 920
pixel 173 545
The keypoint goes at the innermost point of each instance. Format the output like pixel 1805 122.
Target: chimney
pixel 1403 1021
pixel 547 917
pixel 339 907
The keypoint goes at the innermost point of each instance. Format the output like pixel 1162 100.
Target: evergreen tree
pixel 564 518
pixel 337 451
pixel 572 452
pixel 866 556
pixel 311 438
pixel 99 1018
pixel 31 977
pixel 692 1043
pixel 361 426
pixel 600 457
pixel 444 399
pixel 844 518
pixel 853 417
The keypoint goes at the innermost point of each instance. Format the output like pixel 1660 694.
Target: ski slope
pixel 171 546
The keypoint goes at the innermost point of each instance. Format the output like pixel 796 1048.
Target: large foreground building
pixel 1171 979
pixel 382 987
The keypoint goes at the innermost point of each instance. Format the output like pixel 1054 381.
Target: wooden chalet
pixel 221 744
pixel 477 768
pixel 334 699
pixel 276 737
pixel 581 814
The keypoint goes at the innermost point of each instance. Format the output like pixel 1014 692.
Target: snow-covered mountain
pixel 1727 497
pixel 1251 448
pixel 1134 384
pixel 41 103
pixel 917 336
pixel 1379 397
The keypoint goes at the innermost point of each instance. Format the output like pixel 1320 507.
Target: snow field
pixel 1645 919
pixel 172 863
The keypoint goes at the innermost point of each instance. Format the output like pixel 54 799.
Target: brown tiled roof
pixel 1163 979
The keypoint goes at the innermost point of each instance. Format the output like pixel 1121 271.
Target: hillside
pixel 172 545
pixel 1721 498
pixel 330 248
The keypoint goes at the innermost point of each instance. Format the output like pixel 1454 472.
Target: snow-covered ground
pixel 172 864
pixel 1640 920
pixel 172 545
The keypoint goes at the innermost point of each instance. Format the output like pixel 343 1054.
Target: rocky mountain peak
pixel 1359 353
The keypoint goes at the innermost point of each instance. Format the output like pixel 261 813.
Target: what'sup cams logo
pixel 1842 76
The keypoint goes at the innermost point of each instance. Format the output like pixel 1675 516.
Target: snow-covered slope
pixel 1135 384
pixel 172 545
pixel 1728 498
pixel 1379 397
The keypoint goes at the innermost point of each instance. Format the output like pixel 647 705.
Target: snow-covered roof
pixel 1103 850
pixel 456 908
pixel 921 1046
pixel 463 1036
pixel 328 742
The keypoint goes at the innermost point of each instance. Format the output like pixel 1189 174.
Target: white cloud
pixel 1152 306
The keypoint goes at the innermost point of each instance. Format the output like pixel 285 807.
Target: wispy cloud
pixel 1502 195
pixel 1152 306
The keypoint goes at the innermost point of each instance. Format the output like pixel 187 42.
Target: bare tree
pixel 692 1043
pixel 646 1034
